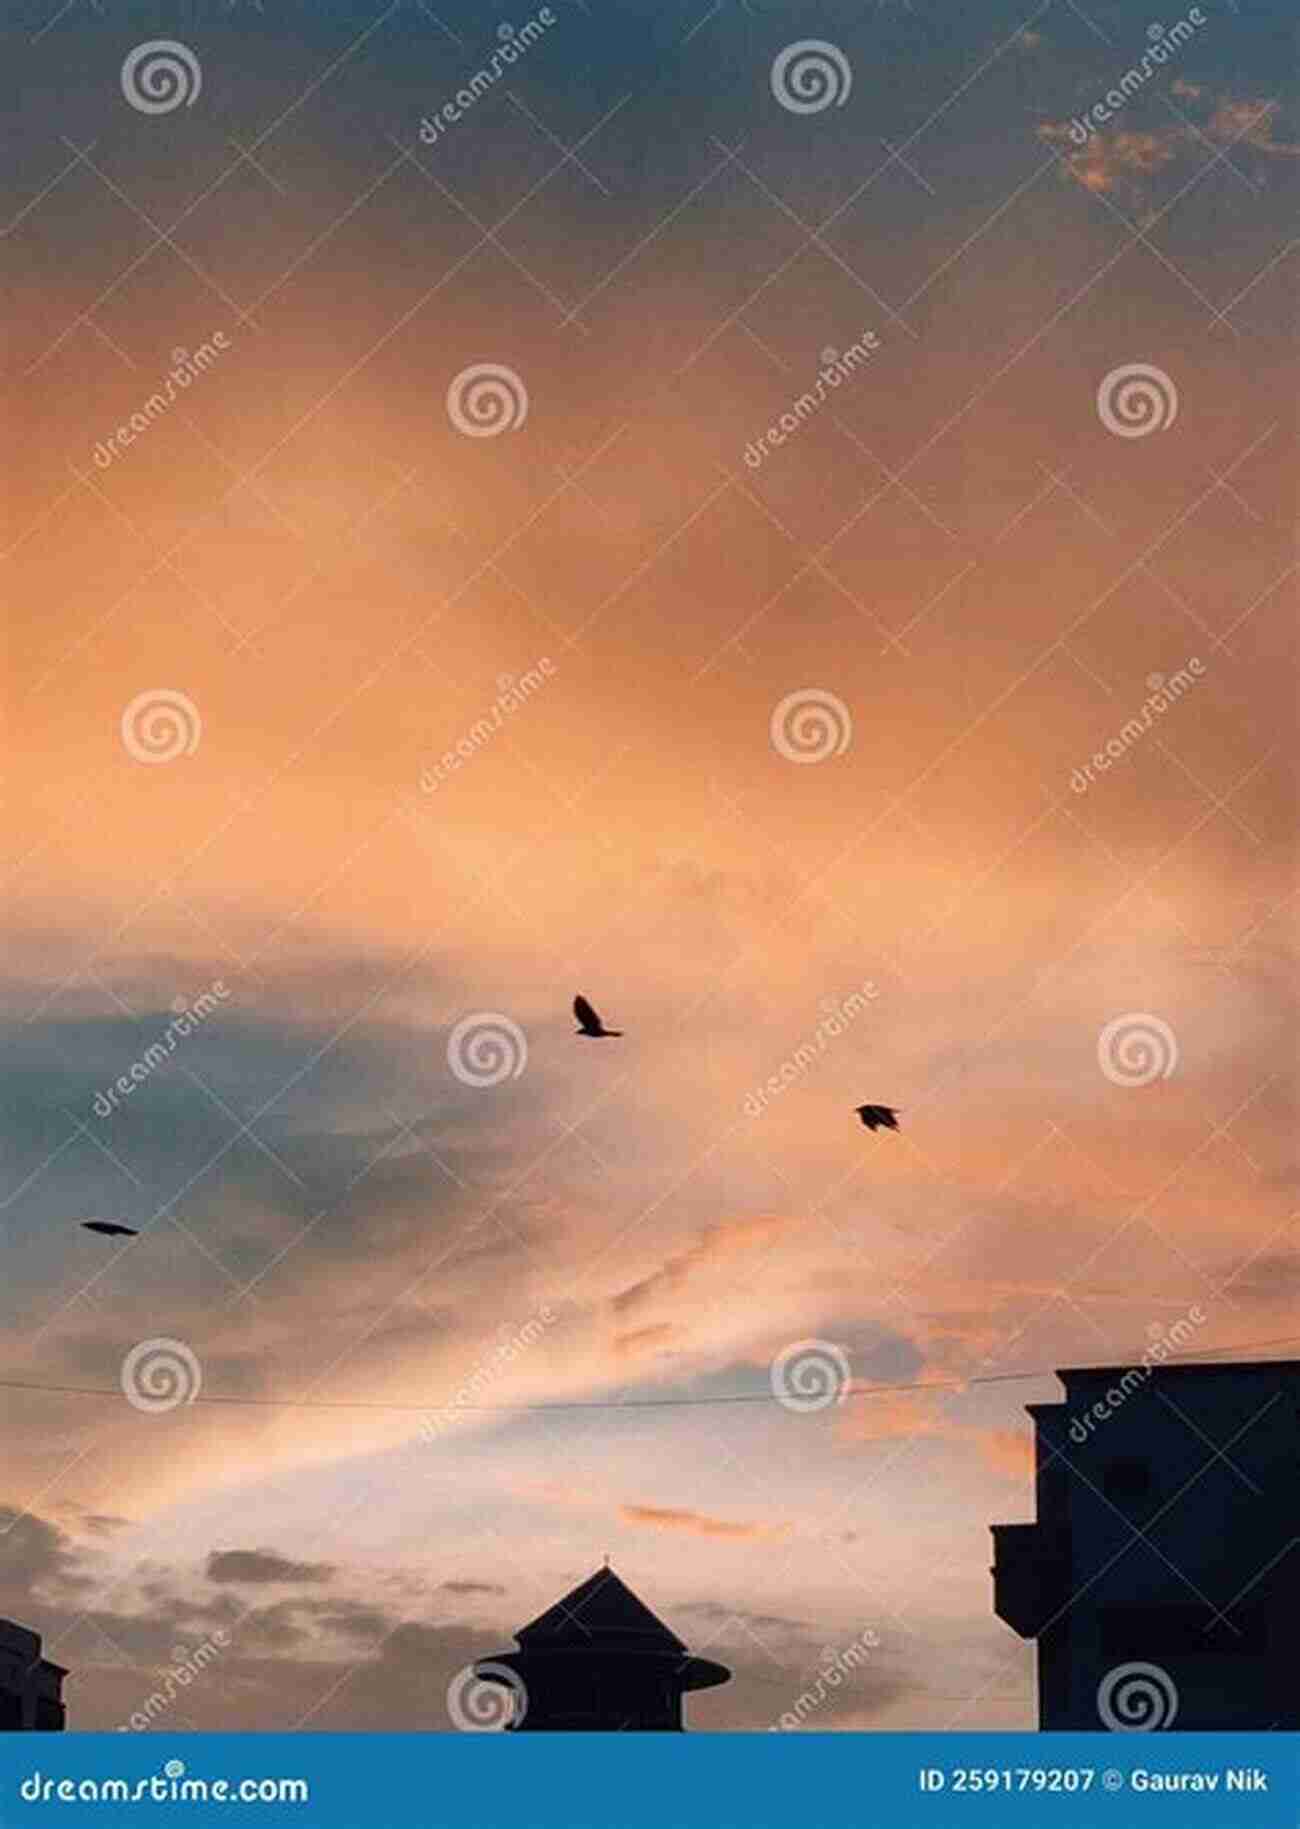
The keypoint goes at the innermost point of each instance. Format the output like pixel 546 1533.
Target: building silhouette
pixel 31 1688
pixel 1161 1580
pixel 599 1661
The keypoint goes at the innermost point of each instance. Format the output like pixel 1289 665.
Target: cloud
pixel 264 1566
pixel 1269 1279
pixel 1251 123
pixel 1107 160
pixel 668 1518
pixel 35 1557
pixel 93 1523
pixel 716 1244
pixel 1119 158
pixel 306 1625
pixel 1009 1452
pixel 470 1587
pixel 899 1415
pixel 714 1615
pixel 101 1524
pixel 642 1339
pixel 915 1416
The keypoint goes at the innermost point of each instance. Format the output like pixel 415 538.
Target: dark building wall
pixel 31 1688
pixel 592 1692
pixel 1164 1538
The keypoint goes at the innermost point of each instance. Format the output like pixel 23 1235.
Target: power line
pixel 633 1403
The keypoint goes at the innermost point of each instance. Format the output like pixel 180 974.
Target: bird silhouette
pixel 589 1023
pixel 109 1228
pixel 878 1117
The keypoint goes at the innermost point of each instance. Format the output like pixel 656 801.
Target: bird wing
pixel 585 1014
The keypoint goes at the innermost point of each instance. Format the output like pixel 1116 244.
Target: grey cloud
pixel 264 1566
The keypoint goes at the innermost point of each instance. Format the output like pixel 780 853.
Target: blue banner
pixel 659 1781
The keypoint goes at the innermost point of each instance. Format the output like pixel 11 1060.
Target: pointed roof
pixel 601 1611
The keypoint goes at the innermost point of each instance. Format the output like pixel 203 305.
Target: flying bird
pixel 589 1022
pixel 878 1117
pixel 109 1228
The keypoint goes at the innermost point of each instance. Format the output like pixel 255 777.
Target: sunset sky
pixel 781 762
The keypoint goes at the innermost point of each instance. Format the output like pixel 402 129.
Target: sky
pixel 779 518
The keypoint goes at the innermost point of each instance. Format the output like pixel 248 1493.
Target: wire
pixel 632 1403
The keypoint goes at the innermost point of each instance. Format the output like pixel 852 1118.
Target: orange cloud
pixel 1110 158
pixel 1008 1451
pixel 668 1518
pixel 899 1415
pixel 1107 159
pixel 643 1339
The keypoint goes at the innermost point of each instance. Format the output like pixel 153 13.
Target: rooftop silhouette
pixel 599 1660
